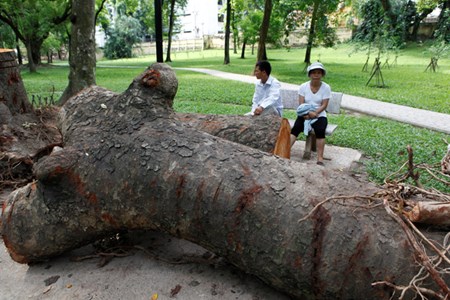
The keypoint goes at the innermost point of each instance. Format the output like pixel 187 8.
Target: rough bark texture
pixel 82 48
pixel 25 134
pixel 266 133
pixel 12 90
pixel 129 163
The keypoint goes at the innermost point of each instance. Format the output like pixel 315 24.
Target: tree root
pixel 399 200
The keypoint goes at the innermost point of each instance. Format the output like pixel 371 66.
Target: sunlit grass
pixel 382 141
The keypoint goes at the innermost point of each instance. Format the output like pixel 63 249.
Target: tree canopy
pixel 32 21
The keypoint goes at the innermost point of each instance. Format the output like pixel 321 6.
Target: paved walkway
pixel 418 117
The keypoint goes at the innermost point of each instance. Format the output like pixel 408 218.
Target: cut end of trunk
pixel 283 144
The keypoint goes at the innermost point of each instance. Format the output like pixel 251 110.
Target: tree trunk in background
pixel 262 55
pixel 244 43
pixel 235 33
pixel 416 24
pixel 31 64
pixel 312 32
pixel 129 163
pixel 388 10
pixel 159 31
pixel 171 23
pixel 226 59
pixel 82 58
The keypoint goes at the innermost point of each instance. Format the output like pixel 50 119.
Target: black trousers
pixel 319 127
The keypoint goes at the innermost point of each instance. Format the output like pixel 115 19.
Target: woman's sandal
pixel 320 163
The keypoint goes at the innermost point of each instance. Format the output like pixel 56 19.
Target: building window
pixel 220 18
pixel 219 2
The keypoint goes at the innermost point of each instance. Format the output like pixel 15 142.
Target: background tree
pixel 123 32
pixel 318 26
pixel 226 59
pixel 159 30
pixel 264 29
pixel 9 40
pixel 312 17
pixel 422 9
pixel 171 24
pixel 440 46
pixel 172 7
pixel 121 38
pixel 234 29
pixel 250 29
pixel 32 21
pixel 247 20
pixel 82 48
pixel 375 33
pixel 443 28
pixel 7 36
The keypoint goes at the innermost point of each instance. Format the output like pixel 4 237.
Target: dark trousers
pixel 319 127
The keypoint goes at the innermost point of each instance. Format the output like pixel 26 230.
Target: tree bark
pixel 226 58
pixel 24 133
pixel 159 30
pixel 12 90
pixel 129 163
pixel 82 58
pixel 264 30
pixel 266 133
pixel 312 32
pixel 244 43
pixel 171 24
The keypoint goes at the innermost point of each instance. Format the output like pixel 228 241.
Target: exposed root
pixel 120 245
pixel 401 201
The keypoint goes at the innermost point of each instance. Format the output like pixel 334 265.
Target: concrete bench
pixel 290 101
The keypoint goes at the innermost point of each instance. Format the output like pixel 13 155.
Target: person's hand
pixel 258 110
pixel 312 115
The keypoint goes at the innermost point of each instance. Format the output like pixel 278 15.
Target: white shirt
pixel 315 99
pixel 268 94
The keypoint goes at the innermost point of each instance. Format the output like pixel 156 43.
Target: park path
pixel 405 114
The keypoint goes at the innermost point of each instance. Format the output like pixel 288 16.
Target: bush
pixel 121 39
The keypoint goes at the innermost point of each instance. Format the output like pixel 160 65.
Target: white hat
pixel 316 65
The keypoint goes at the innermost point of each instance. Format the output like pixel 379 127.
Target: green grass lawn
pixel 382 141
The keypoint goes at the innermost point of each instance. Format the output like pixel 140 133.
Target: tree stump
pixel 24 132
pixel 12 91
pixel 129 163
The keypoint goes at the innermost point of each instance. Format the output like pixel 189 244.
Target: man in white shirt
pixel 267 97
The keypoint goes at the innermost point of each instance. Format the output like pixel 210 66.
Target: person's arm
pixel 255 100
pixel 301 99
pixel 272 96
pixel 322 107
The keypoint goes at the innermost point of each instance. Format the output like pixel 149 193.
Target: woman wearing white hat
pixel 316 94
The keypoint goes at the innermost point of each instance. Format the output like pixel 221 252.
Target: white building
pixel 199 18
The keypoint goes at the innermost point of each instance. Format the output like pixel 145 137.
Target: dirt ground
pixel 158 266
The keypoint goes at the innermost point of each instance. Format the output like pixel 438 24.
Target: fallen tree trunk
pixel 129 163
pixel 436 213
pixel 267 133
